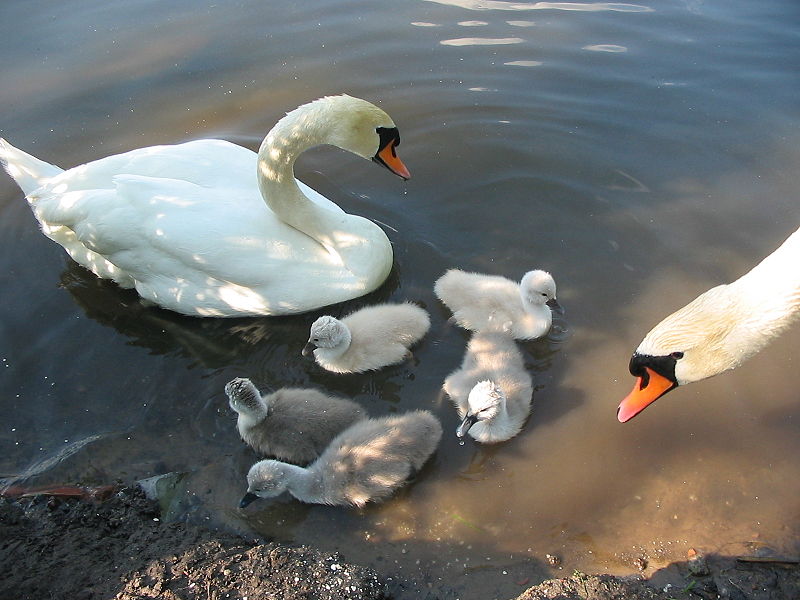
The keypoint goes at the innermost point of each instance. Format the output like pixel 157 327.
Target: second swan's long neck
pixel 772 290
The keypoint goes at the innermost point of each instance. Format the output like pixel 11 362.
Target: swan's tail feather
pixel 28 171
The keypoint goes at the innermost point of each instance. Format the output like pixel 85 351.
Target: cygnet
pixel 494 303
pixel 368 339
pixel 292 424
pixel 366 462
pixel 491 390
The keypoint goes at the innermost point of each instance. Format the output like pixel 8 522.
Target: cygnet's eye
pixel 544 294
pixel 676 355
pixel 315 340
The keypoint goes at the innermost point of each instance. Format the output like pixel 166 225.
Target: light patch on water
pixel 477 41
pixel 523 63
pixel 568 6
pixel 605 48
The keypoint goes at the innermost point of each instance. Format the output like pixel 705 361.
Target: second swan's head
pixel 360 127
pixel 695 342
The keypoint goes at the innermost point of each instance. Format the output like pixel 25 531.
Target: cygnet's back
pixel 293 424
pixel 482 302
pixel 493 357
pixel 379 336
pixel 372 458
pixel 366 462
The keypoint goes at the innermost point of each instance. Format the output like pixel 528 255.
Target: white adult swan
pixel 718 330
pixel 187 225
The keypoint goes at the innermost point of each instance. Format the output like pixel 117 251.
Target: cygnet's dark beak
pixel 309 348
pixel 468 422
pixel 553 304
pixel 247 499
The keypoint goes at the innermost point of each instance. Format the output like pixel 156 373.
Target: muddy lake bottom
pixel 120 548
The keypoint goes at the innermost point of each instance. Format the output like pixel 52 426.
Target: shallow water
pixel 640 152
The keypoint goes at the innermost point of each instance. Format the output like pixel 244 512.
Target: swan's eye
pixel 315 340
pixel 676 355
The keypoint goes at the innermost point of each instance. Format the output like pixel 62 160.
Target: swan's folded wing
pixel 208 163
pixel 224 235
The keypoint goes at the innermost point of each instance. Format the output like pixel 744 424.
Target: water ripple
pixel 572 6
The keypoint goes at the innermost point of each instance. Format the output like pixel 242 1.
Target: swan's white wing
pixel 189 221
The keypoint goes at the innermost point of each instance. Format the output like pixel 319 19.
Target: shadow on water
pixel 207 342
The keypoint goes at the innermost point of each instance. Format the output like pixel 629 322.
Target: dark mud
pixel 87 549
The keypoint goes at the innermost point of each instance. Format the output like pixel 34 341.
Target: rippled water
pixel 640 152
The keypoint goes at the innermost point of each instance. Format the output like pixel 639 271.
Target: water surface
pixel 641 152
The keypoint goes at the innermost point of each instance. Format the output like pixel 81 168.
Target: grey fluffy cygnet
pixel 366 462
pixel 293 424
pixel 491 390
pixel 493 303
pixel 368 339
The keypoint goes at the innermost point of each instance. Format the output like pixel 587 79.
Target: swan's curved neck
pixel 352 242
pixel 292 135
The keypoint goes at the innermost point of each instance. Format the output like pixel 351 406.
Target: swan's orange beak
pixel 387 156
pixel 644 394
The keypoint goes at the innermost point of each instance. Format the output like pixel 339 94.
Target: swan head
pixel 243 396
pixel 694 343
pixel 360 127
pixel 266 479
pixel 485 401
pixel 328 333
pixel 537 288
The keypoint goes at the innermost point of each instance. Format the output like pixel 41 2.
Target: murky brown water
pixel 640 152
